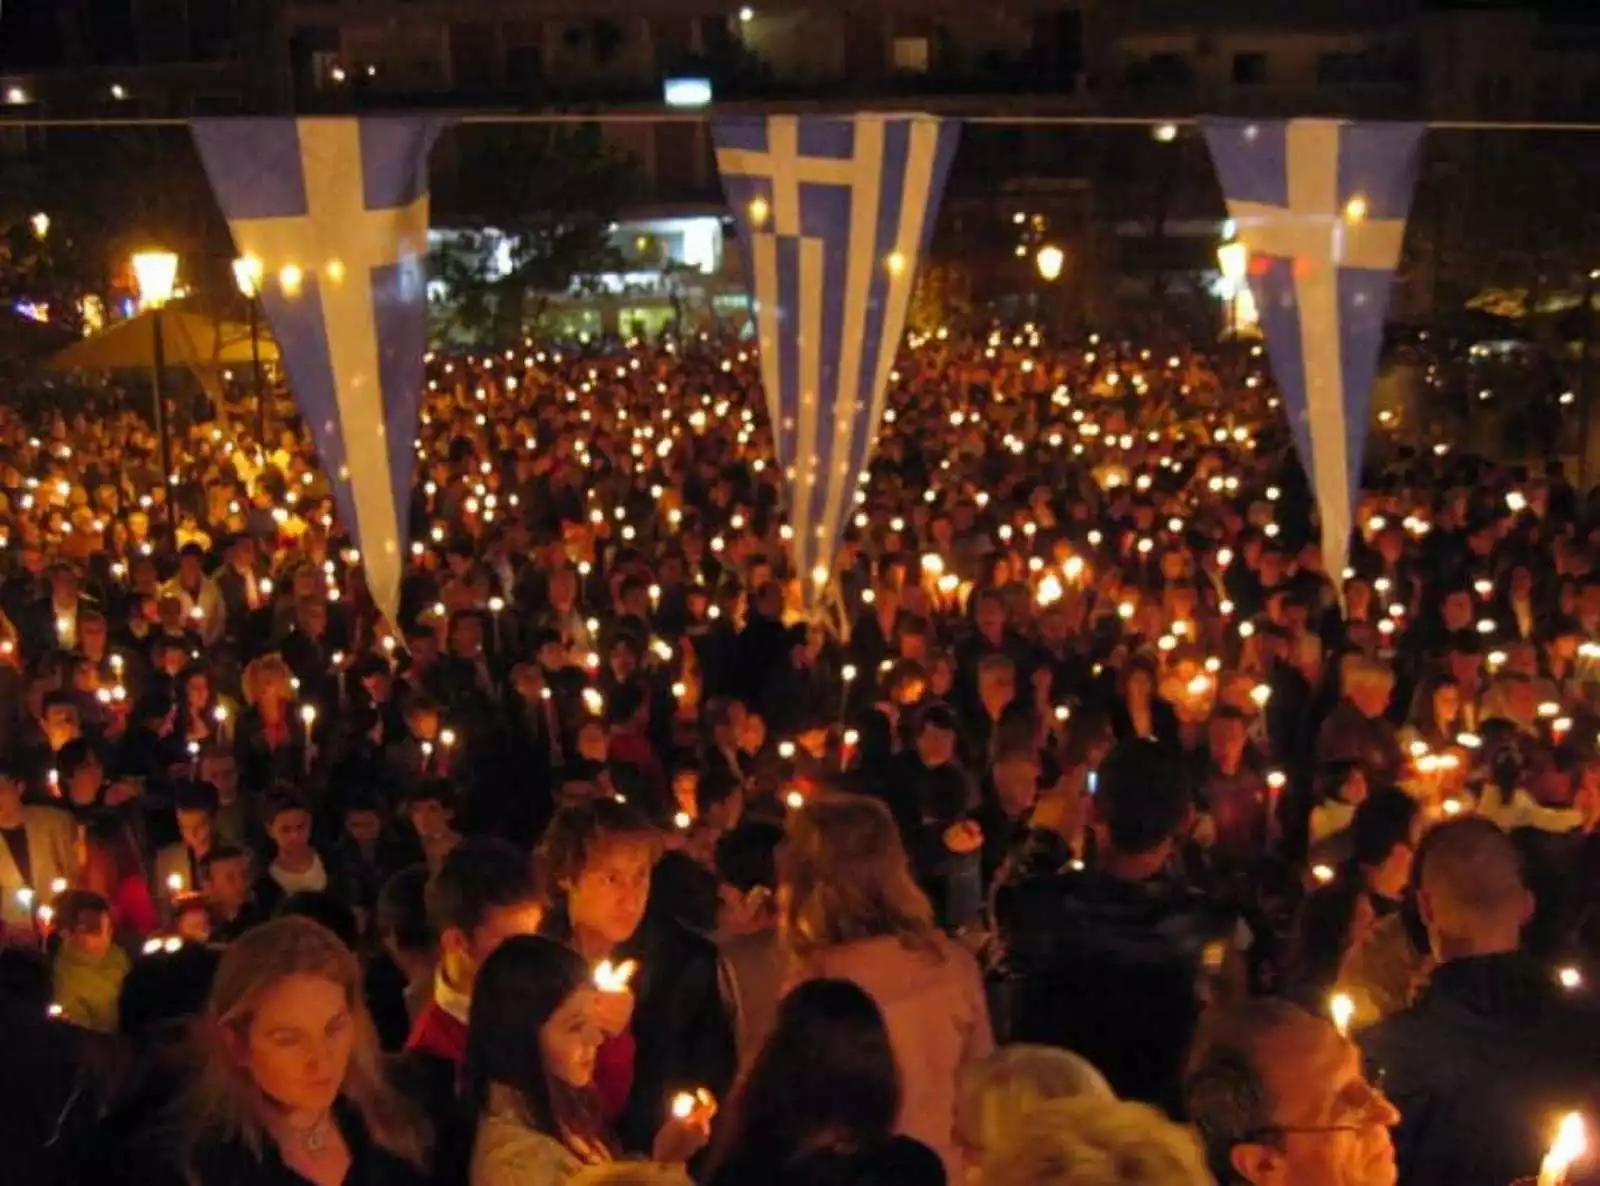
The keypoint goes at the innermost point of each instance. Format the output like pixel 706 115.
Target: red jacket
pixel 437 1033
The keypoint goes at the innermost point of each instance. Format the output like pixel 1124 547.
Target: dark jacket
pixel 1111 969
pixel 1480 1067
pixel 231 1163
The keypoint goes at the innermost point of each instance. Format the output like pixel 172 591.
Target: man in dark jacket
pixel 1108 962
pixel 1494 1050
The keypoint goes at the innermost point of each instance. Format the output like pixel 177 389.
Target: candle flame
pixel 609 977
pixel 1342 1009
pixel 1569 1145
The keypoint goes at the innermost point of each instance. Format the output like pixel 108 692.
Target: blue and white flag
pixel 336 212
pixel 833 214
pixel 1321 205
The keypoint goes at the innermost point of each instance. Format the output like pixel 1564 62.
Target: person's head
pixel 195 805
pixel 225 878
pixel 997 683
pixel 1016 778
pixel 1227 732
pixel 596 860
pixel 1143 800
pixel 84 922
pixel 825 1072
pixel 996 1093
pixel 58 720
pixel 1367 684
pixel 1383 839
pixel 532 1030
pixel 287 820
pixel 1097 1142
pixel 1471 891
pixel 936 736
pixel 430 805
pixel 80 772
pixel 843 876
pixel 1280 1099
pixel 290 1033
pixel 483 894
pixel 403 923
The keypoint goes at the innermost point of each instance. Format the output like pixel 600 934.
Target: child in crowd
pixel 89 968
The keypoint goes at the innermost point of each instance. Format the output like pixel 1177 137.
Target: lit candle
pixel 609 977
pixel 1568 1146
pixel 308 716
pixel 685 1102
pixel 496 605
pixel 1342 1009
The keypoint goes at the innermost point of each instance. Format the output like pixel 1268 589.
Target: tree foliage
pixel 553 189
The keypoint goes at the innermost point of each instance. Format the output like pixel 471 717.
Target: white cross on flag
pixel 335 213
pixel 1321 205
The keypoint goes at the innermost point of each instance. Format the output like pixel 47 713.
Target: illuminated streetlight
pixel 40 223
pixel 1049 260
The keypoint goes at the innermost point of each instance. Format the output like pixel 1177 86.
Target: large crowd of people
pixel 1076 826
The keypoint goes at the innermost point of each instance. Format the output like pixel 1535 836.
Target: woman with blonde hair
pixel 270 741
pixel 997 1093
pixel 291 1081
pixel 1098 1142
pixel 849 909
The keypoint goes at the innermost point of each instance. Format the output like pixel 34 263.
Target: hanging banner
pixel 1321 206
pixel 335 213
pixel 833 214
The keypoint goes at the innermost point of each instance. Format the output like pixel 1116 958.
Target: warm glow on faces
pixel 298 1042
pixel 569 1039
pixel 608 898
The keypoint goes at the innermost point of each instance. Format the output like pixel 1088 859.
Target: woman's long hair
pixel 517 990
pixel 1422 716
pixel 226 1104
pixel 825 1079
pixel 846 878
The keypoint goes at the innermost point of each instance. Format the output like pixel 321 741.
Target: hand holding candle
pixel 1569 1145
pixel 688 1126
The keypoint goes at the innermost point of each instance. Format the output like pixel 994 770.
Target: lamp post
pixel 156 272
pixel 1234 260
pixel 247 275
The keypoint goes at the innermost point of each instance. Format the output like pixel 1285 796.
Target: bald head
pixel 1471 892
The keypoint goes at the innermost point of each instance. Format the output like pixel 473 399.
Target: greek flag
pixel 335 211
pixel 1321 205
pixel 833 214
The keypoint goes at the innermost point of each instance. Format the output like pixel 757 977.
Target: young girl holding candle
pixel 529 1083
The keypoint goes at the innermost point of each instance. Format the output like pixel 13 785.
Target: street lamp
pixel 1234 261
pixel 156 273
pixel 40 223
pixel 1049 261
pixel 247 273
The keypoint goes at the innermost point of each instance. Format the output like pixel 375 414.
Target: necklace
pixel 313 1138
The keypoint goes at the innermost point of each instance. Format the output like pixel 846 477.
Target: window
pixel 911 55
pixel 1249 69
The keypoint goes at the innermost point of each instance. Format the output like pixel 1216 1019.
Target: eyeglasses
pixel 1257 1135
pixel 1375 1101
